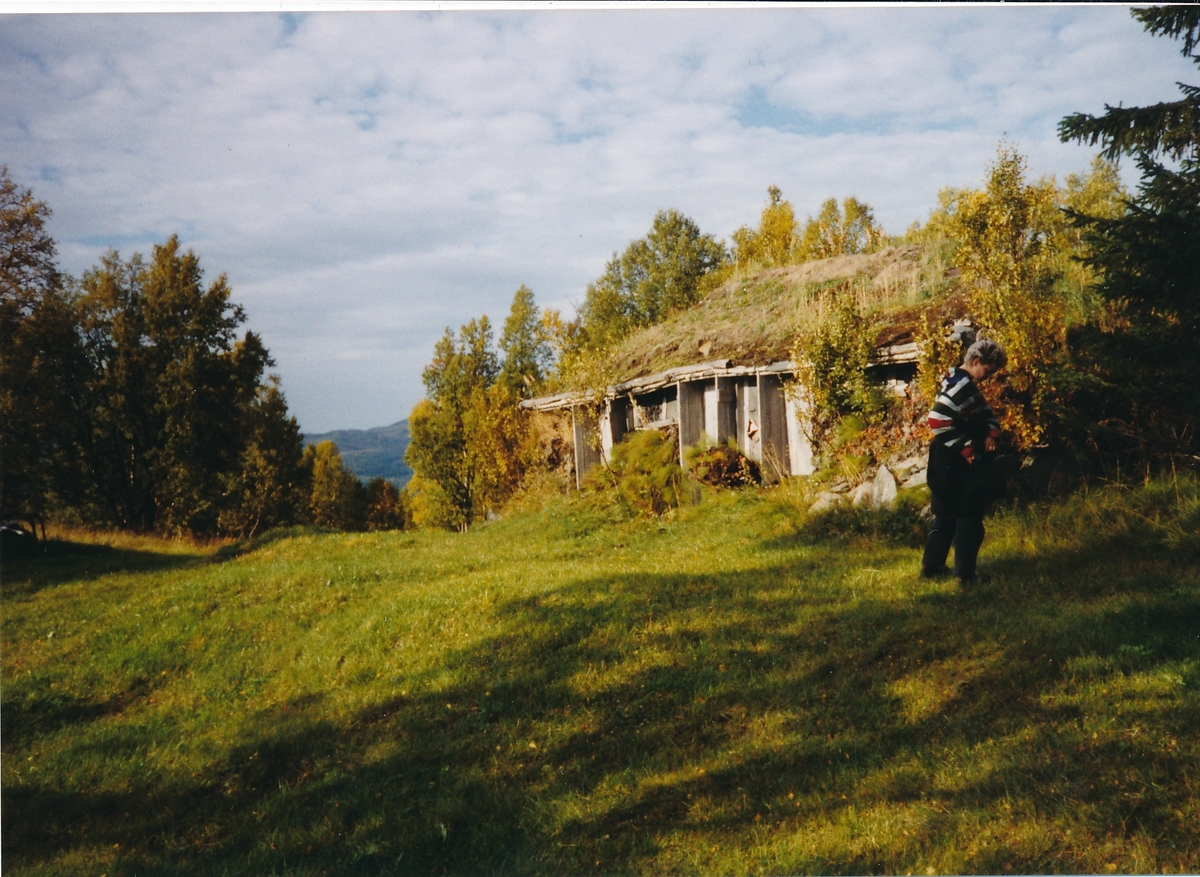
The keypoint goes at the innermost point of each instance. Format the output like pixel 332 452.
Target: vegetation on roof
pixel 753 318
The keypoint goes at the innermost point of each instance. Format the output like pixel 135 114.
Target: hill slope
pixel 372 453
pixel 569 692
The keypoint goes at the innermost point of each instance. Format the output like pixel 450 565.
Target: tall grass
pixel 729 690
pixel 817 303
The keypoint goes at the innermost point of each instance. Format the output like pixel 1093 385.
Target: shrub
pixel 833 359
pixel 646 472
pixel 940 352
pixel 722 465
pixel 430 508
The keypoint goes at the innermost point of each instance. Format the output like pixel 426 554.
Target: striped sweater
pixel 960 416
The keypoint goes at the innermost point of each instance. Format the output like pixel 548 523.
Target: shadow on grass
pixel 47 711
pixel 58 561
pixel 769 706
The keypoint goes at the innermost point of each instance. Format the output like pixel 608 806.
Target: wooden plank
pixel 585 428
pixel 726 399
pixel 800 453
pixel 749 428
pixel 772 410
pixel 691 414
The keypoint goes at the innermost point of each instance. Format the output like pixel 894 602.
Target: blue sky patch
pixel 125 244
pixel 564 133
pixel 291 23
pixel 757 110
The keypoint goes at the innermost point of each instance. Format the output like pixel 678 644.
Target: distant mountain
pixel 371 453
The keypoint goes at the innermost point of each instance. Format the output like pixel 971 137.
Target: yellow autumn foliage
pixel 1011 243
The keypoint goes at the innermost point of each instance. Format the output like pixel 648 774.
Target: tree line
pixel 130 398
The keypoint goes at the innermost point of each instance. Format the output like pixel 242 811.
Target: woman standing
pixel 964 431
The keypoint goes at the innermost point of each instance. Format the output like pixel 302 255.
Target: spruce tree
pixel 168 386
pixel 1135 382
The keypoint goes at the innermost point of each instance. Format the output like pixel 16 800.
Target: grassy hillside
pixel 372 453
pixel 561 692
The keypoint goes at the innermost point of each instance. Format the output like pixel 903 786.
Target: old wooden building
pixel 759 407
pixel 714 399
pixel 720 369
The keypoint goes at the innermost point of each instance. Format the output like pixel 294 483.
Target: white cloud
pixel 368 179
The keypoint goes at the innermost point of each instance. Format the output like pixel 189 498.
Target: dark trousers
pixel 965 534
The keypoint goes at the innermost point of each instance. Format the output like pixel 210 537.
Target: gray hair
pixel 986 352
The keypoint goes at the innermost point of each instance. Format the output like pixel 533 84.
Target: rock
pixel 883 489
pixel 862 494
pixel 825 500
pixel 915 480
pixel 915 462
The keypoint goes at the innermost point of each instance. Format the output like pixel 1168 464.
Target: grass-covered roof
pixel 753 319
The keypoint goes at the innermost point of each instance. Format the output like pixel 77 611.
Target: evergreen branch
pixel 1174 22
pixel 1172 129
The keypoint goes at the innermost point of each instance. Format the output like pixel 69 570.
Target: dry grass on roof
pixel 753 319
pixel 900 325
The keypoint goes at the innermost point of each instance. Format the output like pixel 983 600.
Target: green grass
pixel 567 692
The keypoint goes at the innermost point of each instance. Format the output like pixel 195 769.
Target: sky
pixel 367 179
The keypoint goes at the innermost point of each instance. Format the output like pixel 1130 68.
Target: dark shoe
pixel 980 578
pixel 934 573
